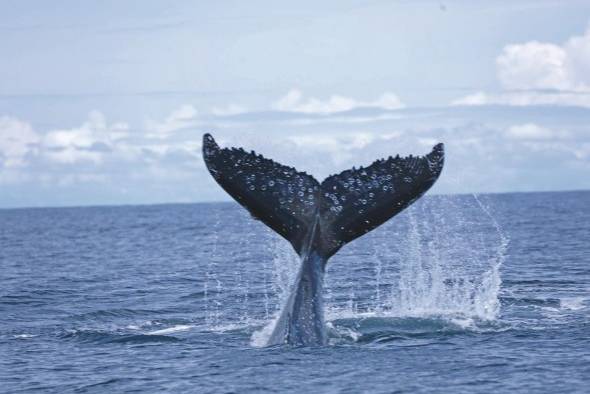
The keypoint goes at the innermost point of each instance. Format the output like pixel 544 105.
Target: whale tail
pixel 340 209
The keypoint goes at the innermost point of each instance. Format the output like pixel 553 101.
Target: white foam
pixel 573 303
pixel 170 330
pixel 260 337
pixel 343 332
pixel 24 336
pixel 463 323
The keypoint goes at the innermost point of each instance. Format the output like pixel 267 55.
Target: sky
pixel 106 102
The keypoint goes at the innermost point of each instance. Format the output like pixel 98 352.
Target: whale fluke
pixel 318 219
pixel 349 204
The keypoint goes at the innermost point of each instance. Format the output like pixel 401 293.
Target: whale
pixel 318 219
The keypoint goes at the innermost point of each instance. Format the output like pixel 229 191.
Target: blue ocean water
pixel 487 293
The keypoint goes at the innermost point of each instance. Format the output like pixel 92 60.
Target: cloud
pixel 17 141
pixel 537 65
pixel 95 142
pixel 533 65
pixel 538 73
pixel 89 142
pixel 231 109
pixel 523 99
pixel 111 162
pixel 97 162
pixel 295 101
pixel 532 131
pixel 181 118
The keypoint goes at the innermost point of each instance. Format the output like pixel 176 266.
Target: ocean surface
pixel 458 294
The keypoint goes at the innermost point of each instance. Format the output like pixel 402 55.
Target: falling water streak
pixel 378 267
pixel 208 274
pixel 285 263
pixel 278 268
pixel 240 280
pixel 434 247
pixel 246 284
pixel 218 301
pixel 352 308
pixel 214 276
pixel 265 290
pixel 328 295
pixel 267 276
pixel 493 279
pixel 411 272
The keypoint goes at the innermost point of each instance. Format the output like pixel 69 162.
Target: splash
pixel 440 259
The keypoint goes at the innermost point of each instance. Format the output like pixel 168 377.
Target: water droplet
pixel 271 183
pixel 252 187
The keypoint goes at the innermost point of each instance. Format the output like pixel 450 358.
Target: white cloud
pixel 536 65
pixel 88 142
pixel 295 101
pixel 231 109
pixel 340 148
pixel 17 140
pixel 332 143
pixel 521 99
pixel 526 69
pixel 531 131
pixel 533 65
pixel 181 118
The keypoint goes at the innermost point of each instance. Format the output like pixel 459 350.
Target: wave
pixel 115 313
pixel 173 329
pixel 104 337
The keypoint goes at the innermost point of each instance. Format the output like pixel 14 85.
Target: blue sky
pixel 106 102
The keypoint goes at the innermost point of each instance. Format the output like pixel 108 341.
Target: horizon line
pixel 229 201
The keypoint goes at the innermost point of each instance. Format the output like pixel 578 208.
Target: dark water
pixel 457 294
